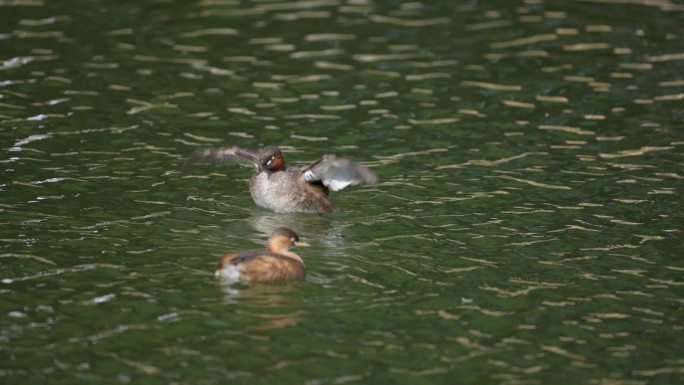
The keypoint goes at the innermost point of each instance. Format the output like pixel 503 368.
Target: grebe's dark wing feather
pixel 337 173
pixel 216 155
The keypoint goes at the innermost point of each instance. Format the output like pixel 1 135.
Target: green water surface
pixel 527 227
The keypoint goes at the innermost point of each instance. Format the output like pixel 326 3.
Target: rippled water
pixel 527 228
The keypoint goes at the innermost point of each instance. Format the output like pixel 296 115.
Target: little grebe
pixel 278 263
pixel 290 189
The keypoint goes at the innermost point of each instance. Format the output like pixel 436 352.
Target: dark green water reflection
pixel 527 228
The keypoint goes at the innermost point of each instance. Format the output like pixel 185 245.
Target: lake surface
pixel 527 227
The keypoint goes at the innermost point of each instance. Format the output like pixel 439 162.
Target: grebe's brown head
pixel 283 239
pixel 272 158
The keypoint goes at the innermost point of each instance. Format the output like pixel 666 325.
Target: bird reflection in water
pixel 270 304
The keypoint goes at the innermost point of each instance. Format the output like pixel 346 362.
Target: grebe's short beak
pixel 301 244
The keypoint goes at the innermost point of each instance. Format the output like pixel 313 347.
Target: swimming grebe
pixel 290 189
pixel 278 263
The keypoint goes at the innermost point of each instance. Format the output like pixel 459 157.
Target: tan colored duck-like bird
pixel 275 264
